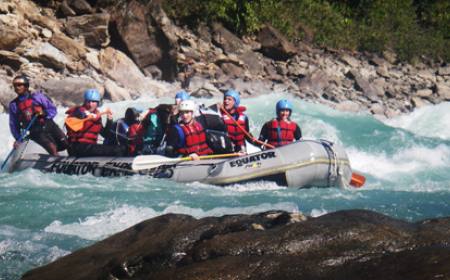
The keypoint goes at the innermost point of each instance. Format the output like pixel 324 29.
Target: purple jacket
pixel 38 97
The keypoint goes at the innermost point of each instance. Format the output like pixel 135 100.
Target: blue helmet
pixel 182 95
pixel 283 104
pixel 92 95
pixel 235 94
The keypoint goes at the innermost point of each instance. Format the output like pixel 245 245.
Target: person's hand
pixel 194 156
pixel 109 113
pixel 17 144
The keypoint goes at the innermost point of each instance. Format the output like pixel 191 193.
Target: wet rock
pixel 274 44
pixel 48 55
pixel 418 102
pixel 349 106
pixel 349 245
pixel 200 87
pixel 68 91
pixel 92 28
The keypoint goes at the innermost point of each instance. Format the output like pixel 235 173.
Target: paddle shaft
pixel 245 131
pixel 151 164
pixel 22 136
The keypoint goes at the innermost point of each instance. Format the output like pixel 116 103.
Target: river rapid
pixel 406 161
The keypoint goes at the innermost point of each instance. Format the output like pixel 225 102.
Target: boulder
pixel 48 55
pixel 68 45
pixel 11 59
pixel 253 62
pixel 65 10
pixel 7 93
pixel 444 71
pixel 350 61
pixel 363 85
pixel 274 44
pixel 68 91
pixel 351 244
pixel 424 93
pixel 200 87
pixel 92 28
pixel 226 40
pixel 81 7
pixel 315 82
pixel 443 90
pixel 418 102
pixel 139 37
pixel 115 93
pixel 122 70
pixel 10 32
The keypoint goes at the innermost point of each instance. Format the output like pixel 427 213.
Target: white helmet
pixel 187 105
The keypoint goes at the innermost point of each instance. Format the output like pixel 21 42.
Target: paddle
pixel 22 136
pixel 245 131
pixel 152 161
pixel 76 124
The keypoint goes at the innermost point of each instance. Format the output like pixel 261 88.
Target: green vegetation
pixel 414 29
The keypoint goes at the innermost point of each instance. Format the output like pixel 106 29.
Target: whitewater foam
pixel 106 223
pixel 430 121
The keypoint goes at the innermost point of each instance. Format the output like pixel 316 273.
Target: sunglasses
pixel 18 84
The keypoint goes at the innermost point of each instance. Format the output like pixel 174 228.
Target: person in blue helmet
pixel 281 130
pixel 235 120
pixel 37 107
pixel 83 138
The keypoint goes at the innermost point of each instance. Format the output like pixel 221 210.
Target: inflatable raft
pixel 306 163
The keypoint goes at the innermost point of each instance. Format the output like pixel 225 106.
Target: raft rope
pixel 333 168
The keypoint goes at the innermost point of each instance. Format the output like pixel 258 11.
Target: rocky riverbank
pixel 347 245
pixel 131 49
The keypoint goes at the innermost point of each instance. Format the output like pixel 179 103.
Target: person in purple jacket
pixel 24 107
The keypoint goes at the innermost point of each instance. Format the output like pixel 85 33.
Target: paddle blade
pixel 74 124
pixel 357 180
pixel 152 161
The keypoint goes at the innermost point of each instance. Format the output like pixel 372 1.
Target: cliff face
pixel 274 245
pixel 127 48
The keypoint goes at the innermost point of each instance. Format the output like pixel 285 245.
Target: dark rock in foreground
pixel 273 245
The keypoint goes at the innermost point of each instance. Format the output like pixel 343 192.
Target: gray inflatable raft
pixel 306 163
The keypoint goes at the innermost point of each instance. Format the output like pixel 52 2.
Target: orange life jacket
pixel 281 132
pixel 135 135
pixel 195 140
pixel 90 131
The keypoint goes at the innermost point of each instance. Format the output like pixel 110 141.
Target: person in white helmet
pixel 187 138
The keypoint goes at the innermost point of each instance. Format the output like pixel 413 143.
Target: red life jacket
pixel 236 135
pixel 195 140
pixel 90 131
pixel 27 108
pixel 281 132
pixel 135 134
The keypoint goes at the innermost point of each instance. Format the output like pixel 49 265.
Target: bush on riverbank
pixel 412 28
